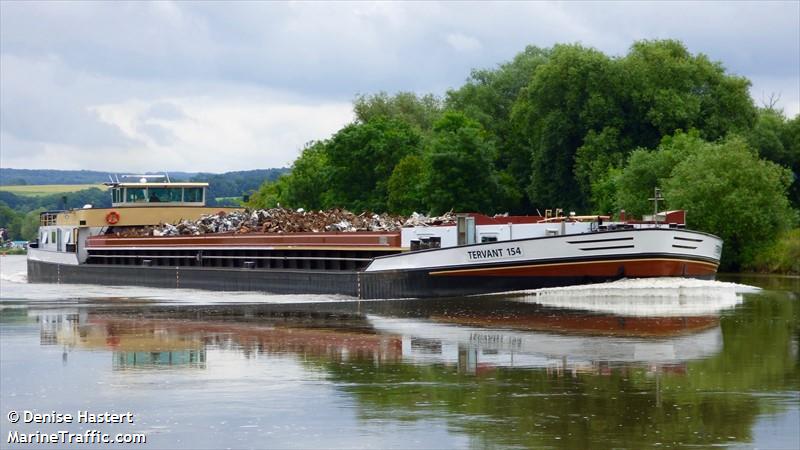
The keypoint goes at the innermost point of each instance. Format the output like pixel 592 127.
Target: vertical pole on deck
pixel 656 197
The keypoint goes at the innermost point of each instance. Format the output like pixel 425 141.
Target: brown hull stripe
pixel 649 267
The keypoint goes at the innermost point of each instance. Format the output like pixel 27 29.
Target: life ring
pixel 112 217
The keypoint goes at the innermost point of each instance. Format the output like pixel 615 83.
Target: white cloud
pixel 214 134
pixel 218 86
pixel 57 117
pixel 463 43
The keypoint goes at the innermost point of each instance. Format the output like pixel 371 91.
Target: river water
pixel 632 364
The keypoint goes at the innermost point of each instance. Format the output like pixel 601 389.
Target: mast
pixel 655 198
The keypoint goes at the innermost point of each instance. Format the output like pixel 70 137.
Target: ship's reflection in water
pixel 584 369
pixel 133 343
pixel 473 334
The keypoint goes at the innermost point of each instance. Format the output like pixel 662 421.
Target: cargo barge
pixel 475 255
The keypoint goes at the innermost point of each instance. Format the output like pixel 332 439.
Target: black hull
pixel 212 279
pixel 365 285
pixel 419 284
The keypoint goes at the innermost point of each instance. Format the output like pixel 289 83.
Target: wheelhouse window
pixel 116 195
pixel 193 195
pixel 172 195
pixel 46 218
pixel 135 195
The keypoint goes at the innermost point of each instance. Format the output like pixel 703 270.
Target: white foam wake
pixel 13 269
pixel 644 297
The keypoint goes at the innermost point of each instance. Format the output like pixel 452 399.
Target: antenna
pixel 167 175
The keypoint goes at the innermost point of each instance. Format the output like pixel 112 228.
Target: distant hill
pixel 229 185
pixel 235 184
pixel 40 190
pixel 14 177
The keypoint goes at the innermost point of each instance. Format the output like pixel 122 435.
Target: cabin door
pixel 466 230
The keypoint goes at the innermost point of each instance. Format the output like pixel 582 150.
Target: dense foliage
pixel 458 164
pixel 568 127
pixel 724 185
pixel 19 214
pixel 778 140
pixel 782 256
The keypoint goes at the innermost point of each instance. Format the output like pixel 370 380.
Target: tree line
pixel 568 127
pixel 17 177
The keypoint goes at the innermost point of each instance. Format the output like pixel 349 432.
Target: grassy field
pixel 13 251
pixel 229 200
pixel 38 190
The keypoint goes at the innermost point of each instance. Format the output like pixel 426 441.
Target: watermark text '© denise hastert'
pixel 81 417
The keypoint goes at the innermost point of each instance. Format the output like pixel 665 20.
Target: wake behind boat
pixel 475 254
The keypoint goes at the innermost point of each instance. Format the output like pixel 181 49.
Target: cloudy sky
pixel 203 86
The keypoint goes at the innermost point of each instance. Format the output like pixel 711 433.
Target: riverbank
pixel 782 257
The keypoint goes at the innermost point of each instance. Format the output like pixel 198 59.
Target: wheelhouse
pixel 147 193
pixel 137 201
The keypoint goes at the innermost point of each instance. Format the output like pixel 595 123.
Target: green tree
pixel 670 89
pixel 361 158
pixel 418 111
pixel 488 96
pixel 10 220
pixel 29 225
pixel 6 215
pixel 305 186
pixel 778 140
pixel 268 194
pixel 405 186
pixel 648 169
pixel 458 167
pixel 573 92
pixel 308 183
pixel 559 125
pixel 732 193
pixel 583 113
pixel 791 139
pixel 596 165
